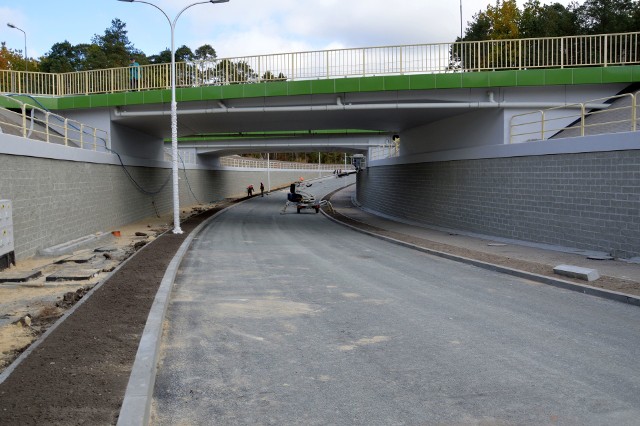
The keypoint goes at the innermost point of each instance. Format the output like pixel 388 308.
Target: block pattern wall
pixel 56 201
pixel 588 200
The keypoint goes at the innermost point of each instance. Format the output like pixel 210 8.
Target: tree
pixel 11 59
pixel 607 16
pixel 497 22
pixel 183 54
pixel 205 53
pixel 554 20
pixel 504 18
pixel 91 57
pixel 269 76
pixel 115 45
pixel 234 72
pixel 63 57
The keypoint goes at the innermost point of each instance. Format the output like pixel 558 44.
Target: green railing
pixel 554 52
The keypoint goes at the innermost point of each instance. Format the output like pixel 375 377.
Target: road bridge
pixel 454 119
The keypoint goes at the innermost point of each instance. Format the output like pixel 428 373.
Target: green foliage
pixel 535 20
pixel 11 59
pixel 553 20
pixel 235 72
pixel 608 16
pixel 63 57
pixel 205 53
pixel 302 157
pixel 183 54
pixel 115 47
pixel 269 76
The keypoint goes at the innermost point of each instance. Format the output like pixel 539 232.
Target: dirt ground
pixel 40 302
pixel 79 373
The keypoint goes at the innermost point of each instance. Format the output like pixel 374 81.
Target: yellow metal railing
pixel 577 120
pixel 555 52
pixel 31 122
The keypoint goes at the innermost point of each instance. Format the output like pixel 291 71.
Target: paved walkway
pixel 343 203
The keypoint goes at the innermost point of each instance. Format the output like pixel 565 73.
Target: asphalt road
pixel 293 319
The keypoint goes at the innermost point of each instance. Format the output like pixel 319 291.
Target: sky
pixel 240 27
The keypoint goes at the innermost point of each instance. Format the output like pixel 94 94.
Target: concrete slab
pixel 106 249
pixel 585 274
pixel 78 258
pixel 19 277
pixel 72 274
pixel 596 257
pixel 73 245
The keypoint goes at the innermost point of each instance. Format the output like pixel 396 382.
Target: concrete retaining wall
pixel 55 201
pixel 587 200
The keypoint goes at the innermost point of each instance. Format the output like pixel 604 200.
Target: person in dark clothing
pixel 261 189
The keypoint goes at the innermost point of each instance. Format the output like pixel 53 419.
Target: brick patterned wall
pixel 55 201
pixel 588 201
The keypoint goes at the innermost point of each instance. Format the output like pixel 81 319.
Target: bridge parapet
pixel 602 50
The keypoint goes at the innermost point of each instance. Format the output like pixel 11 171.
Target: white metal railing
pixel 553 52
pixel 576 120
pixel 389 150
pixel 28 121
pixel 254 163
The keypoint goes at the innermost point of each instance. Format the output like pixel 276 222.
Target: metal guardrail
pixel 564 121
pixel 32 122
pixel 554 52
pixel 242 162
pixel 389 150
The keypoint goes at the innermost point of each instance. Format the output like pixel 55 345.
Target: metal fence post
pixel 634 109
pixel 46 124
pixel 24 120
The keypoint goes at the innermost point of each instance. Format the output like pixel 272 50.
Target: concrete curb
pixel 73 245
pixel 136 406
pixel 567 285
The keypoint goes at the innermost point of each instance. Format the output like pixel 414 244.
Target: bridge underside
pixel 379 111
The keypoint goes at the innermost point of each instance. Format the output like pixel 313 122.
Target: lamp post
pixel 10 25
pixel 461 20
pixel 174 108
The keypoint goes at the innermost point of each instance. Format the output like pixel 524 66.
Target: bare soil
pixel 78 375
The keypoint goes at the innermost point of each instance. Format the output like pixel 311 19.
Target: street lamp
pixel 10 25
pixel 174 108
pixel 461 37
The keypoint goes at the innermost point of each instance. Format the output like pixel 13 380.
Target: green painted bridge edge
pixel 486 79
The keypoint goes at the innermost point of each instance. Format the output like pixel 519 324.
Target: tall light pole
pixel 174 108
pixel 460 20
pixel 10 25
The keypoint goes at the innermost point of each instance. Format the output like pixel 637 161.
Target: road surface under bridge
pixel 293 319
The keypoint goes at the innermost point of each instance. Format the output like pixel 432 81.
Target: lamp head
pixel 128 1
pixel 218 1
pixel 10 25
